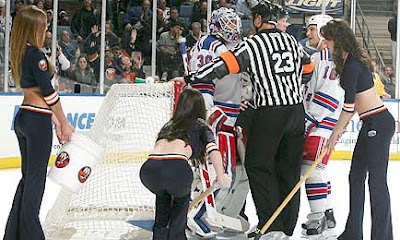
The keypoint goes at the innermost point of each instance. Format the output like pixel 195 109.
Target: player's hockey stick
pixel 290 195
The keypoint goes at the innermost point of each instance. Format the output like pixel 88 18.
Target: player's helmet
pixel 225 23
pixel 319 20
pixel 266 10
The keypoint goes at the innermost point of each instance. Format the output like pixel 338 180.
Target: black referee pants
pixel 273 163
pixel 34 132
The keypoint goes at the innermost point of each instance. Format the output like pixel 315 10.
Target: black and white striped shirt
pixel 274 60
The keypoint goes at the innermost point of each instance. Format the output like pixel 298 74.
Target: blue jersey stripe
pixel 323 105
pixel 328 97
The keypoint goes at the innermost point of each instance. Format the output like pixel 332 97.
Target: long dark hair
pixel 190 106
pixel 345 41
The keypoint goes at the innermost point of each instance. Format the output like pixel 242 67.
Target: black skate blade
pixel 314 231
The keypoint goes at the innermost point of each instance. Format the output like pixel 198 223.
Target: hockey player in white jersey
pixel 222 100
pixel 322 103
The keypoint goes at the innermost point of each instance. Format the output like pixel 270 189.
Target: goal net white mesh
pixel 126 126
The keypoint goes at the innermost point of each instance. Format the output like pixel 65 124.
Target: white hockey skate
pixel 316 223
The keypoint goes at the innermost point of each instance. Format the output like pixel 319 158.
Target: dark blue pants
pixel 171 181
pixel 34 133
pixel 371 156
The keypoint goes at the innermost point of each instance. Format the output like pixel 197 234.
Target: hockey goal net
pixel 126 126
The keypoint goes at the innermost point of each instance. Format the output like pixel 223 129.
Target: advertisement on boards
pixel 333 7
pixel 79 110
pixel 81 113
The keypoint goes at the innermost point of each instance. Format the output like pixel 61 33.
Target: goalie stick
pixel 204 194
pixel 185 59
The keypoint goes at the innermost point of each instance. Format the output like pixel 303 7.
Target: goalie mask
pixel 226 24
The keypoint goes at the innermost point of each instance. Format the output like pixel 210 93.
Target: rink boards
pixel 81 112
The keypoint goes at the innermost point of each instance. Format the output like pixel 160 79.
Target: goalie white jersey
pixel 224 93
pixel 206 49
pixel 323 97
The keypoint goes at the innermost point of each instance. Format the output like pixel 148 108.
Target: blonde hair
pixel 29 27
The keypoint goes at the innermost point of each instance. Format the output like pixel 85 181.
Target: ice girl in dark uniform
pixel 32 71
pixel 167 172
pixel 371 153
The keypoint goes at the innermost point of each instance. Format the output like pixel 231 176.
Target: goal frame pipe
pixel 290 195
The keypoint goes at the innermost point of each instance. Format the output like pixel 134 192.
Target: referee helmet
pixel 266 10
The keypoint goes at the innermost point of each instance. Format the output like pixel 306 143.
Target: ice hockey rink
pixel 338 172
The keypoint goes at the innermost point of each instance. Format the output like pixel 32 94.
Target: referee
pixel 275 62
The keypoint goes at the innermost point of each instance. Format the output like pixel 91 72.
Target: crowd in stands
pixel 128 42
pixel 128 38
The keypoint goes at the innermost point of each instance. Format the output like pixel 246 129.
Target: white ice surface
pixel 338 172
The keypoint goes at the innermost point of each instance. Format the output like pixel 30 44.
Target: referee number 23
pixel 284 62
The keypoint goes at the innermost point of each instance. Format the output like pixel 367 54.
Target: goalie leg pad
pixel 196 223
pixel 195 220
pixel 216 118
pixel 197 215
pixel 230 201
pixel 236 196
pixel 227 147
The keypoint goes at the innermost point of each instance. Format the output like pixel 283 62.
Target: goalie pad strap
pixel 227 147
pixel 216 118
